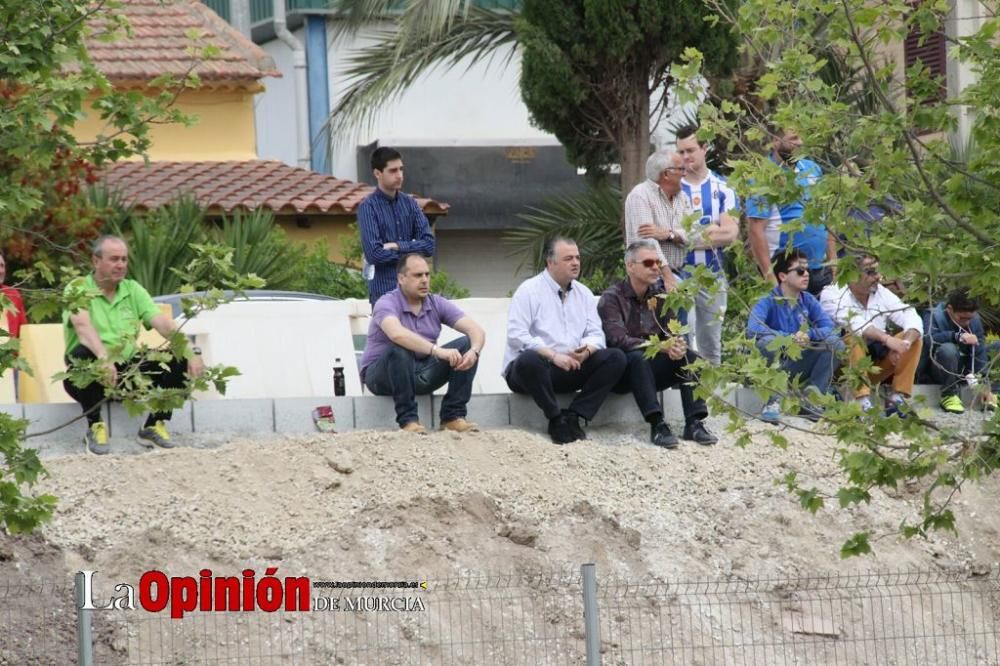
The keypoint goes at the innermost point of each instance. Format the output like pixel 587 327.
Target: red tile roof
pixel 160 44
pixel 228 186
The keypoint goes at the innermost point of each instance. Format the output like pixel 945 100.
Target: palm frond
pixel 590 218
pixel 380 73
pixel 424 16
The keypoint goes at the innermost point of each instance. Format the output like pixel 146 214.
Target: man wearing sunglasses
pixel 863 309
pixel 789 310
pixel 631 313
pixel 555 344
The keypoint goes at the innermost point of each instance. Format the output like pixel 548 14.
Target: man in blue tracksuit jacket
pixel 790 310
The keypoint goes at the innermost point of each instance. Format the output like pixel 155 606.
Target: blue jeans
pixel 815 366
pixel 400 374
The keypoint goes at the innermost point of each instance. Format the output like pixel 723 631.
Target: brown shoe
pixel 415 427
pixel 460 425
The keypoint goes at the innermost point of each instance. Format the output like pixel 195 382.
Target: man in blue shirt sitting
pixel 790 310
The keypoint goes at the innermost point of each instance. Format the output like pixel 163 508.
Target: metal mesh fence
pixel 37 623
pixel 927 617
pixel 885 618
pixel 468 620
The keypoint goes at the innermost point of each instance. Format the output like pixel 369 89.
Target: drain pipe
pixel 301 90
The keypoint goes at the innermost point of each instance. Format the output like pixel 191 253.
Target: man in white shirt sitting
pixel 863 309
pixel 555 343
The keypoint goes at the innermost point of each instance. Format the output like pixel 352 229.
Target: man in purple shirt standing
pixel 402 357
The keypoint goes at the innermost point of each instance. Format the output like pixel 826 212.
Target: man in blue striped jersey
pixel 391 224
pixel 716 229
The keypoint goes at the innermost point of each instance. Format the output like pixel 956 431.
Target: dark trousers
pixel 531 374
pixel 948 364
pixel 400 374
pixel 645 378
pixel 91 395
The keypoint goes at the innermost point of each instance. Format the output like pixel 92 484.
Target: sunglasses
pixel 650 263
pixel 800 271
pixel 872 271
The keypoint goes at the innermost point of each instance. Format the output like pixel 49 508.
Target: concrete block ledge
pixel 294 415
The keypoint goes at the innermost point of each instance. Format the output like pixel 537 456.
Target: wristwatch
pixel 670 238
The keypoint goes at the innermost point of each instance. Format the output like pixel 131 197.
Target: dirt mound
pixel 391 506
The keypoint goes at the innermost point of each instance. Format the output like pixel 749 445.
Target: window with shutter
pixel 931 50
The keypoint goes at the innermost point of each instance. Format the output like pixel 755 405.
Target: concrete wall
pixel 479 261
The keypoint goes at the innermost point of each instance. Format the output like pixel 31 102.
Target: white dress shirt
pixel 538 317
pixel 883 306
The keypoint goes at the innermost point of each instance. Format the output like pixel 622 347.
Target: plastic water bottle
pixel 339 384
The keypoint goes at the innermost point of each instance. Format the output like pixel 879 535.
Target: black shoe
pixel 697 432
pixel 561 431
pixel 810 413
pixel 573 419
pixel 660 435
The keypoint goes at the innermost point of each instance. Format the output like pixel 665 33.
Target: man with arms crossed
pixel 716 229
pixel 555 343
pixel 655 208
pixel 391 224
pixel 402 358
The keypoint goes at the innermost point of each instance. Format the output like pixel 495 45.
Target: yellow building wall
pixel 332 228
pixel 223 128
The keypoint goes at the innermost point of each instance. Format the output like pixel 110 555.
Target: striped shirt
pixel 713 197
pixel 384 219
pixel 647 204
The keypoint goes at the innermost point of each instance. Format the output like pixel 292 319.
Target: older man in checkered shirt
pixel 655 208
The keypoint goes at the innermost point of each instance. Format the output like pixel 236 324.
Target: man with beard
pixel 863 309
pixel 768 220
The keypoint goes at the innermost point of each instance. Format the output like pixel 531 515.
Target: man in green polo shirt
pixel 107 330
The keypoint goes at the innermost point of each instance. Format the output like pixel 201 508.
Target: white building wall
pixel 477 105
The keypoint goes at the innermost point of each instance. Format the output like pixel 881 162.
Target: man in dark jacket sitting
pixel 630 314
pixel 955 350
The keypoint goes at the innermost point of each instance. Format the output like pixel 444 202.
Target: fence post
pixel 84 630
pixel 591 621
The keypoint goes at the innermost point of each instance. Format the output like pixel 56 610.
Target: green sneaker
pixel 953 404
pixel 96 439
pixel 156 435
